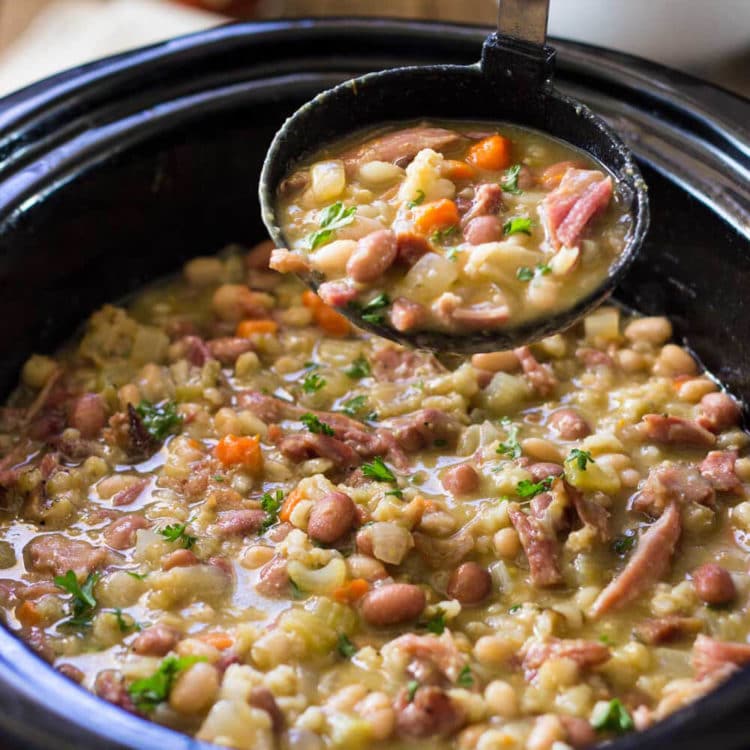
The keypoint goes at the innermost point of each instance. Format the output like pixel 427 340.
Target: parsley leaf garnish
pixel 509 183
pixel 175 532
pixel 159 421
pixel 123 624
pixel 149 692
pixel 440 235
pixel 411 689
pixel 436 624
pixel 515 608
pixel 360 368
pixel 82 602
pixel 511 447
pixel 354 405
pixel 623 544
pixel 465 677
pixel 137 576
pixel 417 201
pixel 373 311
pixel 528 489
pixel 544 268
pixel 580 458
pixel 377 470
pixel 345 647
pixel 396 493
pixel 272 505
pixel 312 382
pixel 524 273
pixel 517 225
pixel 331 218
pixel 315 425
pixel 612 717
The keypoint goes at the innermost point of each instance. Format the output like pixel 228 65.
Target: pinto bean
pixel 227 349
pixel 569 424
pixel 393 604
pixel 483 229
pixel 71 672
pixel 88 415
pixel 406 314
pixel 331 517
pixel 713 584
pixel 374 255
pixel 195 689
pixel 719 411
pixel 120 534
pixel 460 480
pixel 429 713
pixel 180 558
pixel 470 583
pixel 158 640
pixel 262 698
pixel 544 469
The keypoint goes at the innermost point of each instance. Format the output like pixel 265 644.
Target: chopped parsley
pixel 377 470
pixel 219 478
pixel 297 592
pixel 345 647
pixel 417 200
pixel 511 447
pixel 271 504
pixel 452 254
pixel 515 608
pixel 331 218
pixel 175 532
pixel 411 689
pixel 312 382
pixel 509 183
pixel 149 692
pixel 517 225
pixel 360 368
pixel 436 624
pixel 580 458
pixel 612 717
pixel 605 639
pixel 396 493
pixel 373 311
pixel 528 489
pixel 623 544
pixel 82 602
pixel 544 268
pixel 137 576
pixel 313 423
pixel 355 406
pixel 124 625
pixel 440 235
pixel 524 273
pixel 465 677
pixel 159 421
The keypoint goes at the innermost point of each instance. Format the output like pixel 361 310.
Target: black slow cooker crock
pixel 116 172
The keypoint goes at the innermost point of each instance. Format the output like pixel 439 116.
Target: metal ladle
pixel 512 83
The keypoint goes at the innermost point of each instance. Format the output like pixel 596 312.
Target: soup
pixel 226 510
pixel 456 228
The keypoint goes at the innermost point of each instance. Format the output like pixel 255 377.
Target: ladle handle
pixel 523 20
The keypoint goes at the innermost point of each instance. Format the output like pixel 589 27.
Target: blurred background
pixel 709 38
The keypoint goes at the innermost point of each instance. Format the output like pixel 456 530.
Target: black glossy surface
pixel 513 83
pixel 102 191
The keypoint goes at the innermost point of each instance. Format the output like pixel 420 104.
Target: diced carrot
pixel 275 433
pixel 492 153
pixel 246 328
pixel 436 215
pixel 351 591
pixel 680 379
pixel 311 300
pixel 218 640
pixel 294 497
pixel 457 170
pixel 28 614
pixel 240 450
pixel 333 323
pixel 553 174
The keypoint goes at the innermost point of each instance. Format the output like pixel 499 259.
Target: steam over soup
pixel 226 510
pixel 456 228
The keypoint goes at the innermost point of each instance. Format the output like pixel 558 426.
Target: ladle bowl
pixel 512 83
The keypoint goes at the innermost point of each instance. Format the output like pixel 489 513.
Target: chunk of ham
pixel 56 554
pixel 429 713
pixel 450 308
pixel 718 469
pixel 648 563
pixel 424 428
pixel 488 199
pixel 392 364
pixel 241 522
pixel 669 483
pixel 337 293
pixel 667 629
pixel 121 533
pixel 540 546
pixel 658 428
pixel 306 445
pixel 586 654
pixel 540 376
pixel 590 512
pixel 710 655
pixel 567 210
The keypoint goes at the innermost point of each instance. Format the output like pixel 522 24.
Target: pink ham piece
pixel 647 565
pixel 659 428
pixel 668 483
pixel 540 376
pixel 710 655
pixel 586 654
pixel 718 469
pixel 539 545
pixel 581 194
